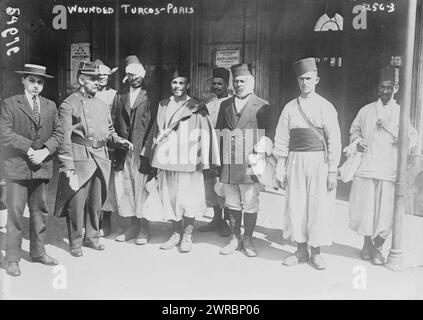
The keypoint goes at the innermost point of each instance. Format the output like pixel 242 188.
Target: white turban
pixel 134 68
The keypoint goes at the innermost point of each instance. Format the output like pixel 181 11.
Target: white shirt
pixel 322 114
pixel 133 94
pixel 29 97
pixel 240 103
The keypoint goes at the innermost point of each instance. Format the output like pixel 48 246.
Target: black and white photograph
pixel 211 150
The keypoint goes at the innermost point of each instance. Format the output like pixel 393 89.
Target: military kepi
pixel 88 68
pixel 240 69
pixel 387 74
pixel 305 65
pixel 221 73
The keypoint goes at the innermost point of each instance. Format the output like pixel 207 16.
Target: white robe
pixel 371 205
pixel 309 204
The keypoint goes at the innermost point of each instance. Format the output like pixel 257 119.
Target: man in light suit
pixel 244 120
pixel 30 133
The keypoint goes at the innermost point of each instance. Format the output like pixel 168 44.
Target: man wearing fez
pixel 30 134
pixel 308 149
pixel 83 158
pixel 107 95
pixel 131 118
pixel 243 121
pixel 375 132
pixel 181 144
pixel 220 85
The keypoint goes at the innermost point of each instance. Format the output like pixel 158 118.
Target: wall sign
pixel 79 52
pixel 227 57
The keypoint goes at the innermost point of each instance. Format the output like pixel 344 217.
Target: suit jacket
pixel 89 119
pixel 19 132
pixel 239 134
pixel 132 124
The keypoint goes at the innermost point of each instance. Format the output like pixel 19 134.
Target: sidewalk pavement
pixel 128 271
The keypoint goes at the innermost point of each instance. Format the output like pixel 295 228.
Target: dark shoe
pixel 12 268
pixel 143 236
pixel 377 257
pixel 95 246
pixel 131 233
pixel 173 241
pixel 47 260
pixel 318 262
pixel 366 252
pixel 234 244
pixel 76 252
pixel 214 225
pixel 296 258
pixel 248 246
pixel 186 243
pixel 225 230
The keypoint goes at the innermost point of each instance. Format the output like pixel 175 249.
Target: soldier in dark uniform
pixel 84 164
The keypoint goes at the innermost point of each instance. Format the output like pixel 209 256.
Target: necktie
pixel 36 110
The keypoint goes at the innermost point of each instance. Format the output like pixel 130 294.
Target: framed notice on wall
pixel 79 52
pixel 227 57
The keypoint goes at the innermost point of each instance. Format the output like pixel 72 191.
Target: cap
pixel 386 74
pixel 305 65
pixel 240 69
pixel 181 72
pixel 88 68
pixel 221 73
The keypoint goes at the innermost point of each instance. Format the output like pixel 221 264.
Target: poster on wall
pixel 79 52
pixel 227 57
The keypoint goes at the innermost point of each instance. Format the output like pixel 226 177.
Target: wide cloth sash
pixel 305 140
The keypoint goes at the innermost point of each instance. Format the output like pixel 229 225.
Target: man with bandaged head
pixel 244 120
pixel 131 114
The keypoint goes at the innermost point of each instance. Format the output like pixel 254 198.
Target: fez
pixel 88 68
pixel 35 70
pixel 180 73
pixel 387 74
pixel 240 69
pixel 305 65
pixel 221 73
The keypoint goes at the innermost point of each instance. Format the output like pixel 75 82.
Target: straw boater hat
pixel 103 69
pixel 35 70
pixel 134 66
pixel 305 65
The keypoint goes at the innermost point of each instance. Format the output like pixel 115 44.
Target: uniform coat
pixel 19 132
pixel 256 114
pixel 86 118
